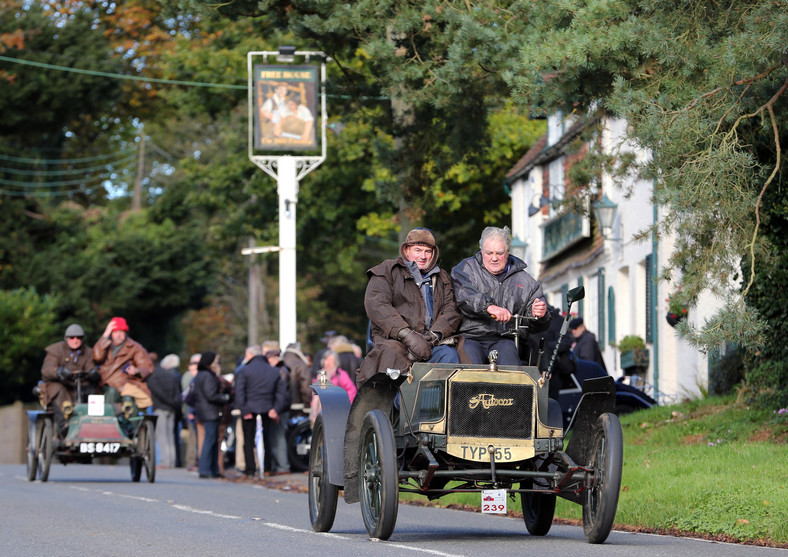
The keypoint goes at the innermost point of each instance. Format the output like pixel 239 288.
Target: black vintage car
pixel 445 428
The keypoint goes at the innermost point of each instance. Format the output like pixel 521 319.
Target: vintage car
pixel 94 431
pixel 446 428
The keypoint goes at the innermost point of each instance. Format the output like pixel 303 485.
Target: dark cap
pixel 575 323
pixel 206 359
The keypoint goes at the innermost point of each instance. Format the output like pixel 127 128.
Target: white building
pixel 564 248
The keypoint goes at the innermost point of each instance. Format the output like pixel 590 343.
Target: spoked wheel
pixel 32 451
pixel 46 448
pixel 322 493
pixel 606 459
pixel 146 442
pixel 538 510
pixel 378 477
pixel 298 443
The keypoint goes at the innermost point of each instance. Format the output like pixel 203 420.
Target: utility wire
pixel 158 80
pixel 63 161
pixel 119 75
pixel 62 172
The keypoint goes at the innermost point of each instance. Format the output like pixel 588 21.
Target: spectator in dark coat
pixel 165 388
pixel 586 347
pixel 259 391
pixel 209 401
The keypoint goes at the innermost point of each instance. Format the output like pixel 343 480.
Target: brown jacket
pixel 111 367
pixel 300 377
pixel 58 355
pixel 393 301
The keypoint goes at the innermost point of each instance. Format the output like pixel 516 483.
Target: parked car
pixel 628 398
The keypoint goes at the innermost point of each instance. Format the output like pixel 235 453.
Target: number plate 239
pixel 494 501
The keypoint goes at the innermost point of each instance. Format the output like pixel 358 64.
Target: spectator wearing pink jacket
pixel 338 376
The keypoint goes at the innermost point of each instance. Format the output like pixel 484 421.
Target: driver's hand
pixel 539 308
pixel 499 314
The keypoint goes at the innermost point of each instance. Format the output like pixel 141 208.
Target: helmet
pixel 74 330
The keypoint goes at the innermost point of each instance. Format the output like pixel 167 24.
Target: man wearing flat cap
pixel 411 308
pixel 65 359
pixel 586 346
pixel 124 366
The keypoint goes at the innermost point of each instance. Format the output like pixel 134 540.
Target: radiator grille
pixel 495 410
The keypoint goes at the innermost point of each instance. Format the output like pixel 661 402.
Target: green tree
pixel 702 86
pixel 29 323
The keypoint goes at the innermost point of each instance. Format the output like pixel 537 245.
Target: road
pixel 96 510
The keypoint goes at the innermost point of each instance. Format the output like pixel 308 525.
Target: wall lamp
pixel 605 210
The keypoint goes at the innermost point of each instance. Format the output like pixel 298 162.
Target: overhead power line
pixel 119 75
pixel 64 161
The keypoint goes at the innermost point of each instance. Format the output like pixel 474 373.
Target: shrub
pixel 767 383
pixel 631 342
pixel 726 370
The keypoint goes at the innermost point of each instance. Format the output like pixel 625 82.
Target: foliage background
pixel 437 100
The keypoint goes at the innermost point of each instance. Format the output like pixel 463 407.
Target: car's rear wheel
pixel 378 477
pixel 606 460
pixel 146 441
pixel 46 448
pixel 322 493
pixel 538 510
pixel 298 444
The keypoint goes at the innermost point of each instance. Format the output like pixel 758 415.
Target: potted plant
pixel 677 310
pixel 634 354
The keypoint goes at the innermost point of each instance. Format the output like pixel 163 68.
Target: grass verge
pixel 711 468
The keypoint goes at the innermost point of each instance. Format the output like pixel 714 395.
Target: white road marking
pixel 201 511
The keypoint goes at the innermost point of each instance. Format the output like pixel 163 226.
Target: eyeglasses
pixel 80 338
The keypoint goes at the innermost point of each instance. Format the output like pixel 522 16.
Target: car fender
pixel 334 410
pixel 599 397
pixel 378 392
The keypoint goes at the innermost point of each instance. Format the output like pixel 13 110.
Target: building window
pixel 564 292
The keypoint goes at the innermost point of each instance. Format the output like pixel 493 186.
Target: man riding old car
pixel 411 308
pixel 491 287
pixel 124 366
pixel 63 360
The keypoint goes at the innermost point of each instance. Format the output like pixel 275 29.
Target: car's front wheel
pixel 322 493
pixel 606 460
pixel 378 476
pixel 46 449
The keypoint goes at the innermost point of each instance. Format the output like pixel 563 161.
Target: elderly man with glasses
pixel 65 359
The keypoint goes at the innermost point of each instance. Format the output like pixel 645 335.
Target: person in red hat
pixel 124 366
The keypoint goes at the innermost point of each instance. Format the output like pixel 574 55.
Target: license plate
pixel 494 501
pixel 102 448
